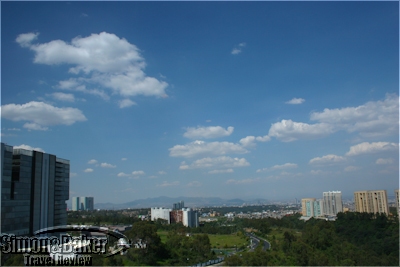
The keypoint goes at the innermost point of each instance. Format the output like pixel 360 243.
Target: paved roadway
pixel 256 240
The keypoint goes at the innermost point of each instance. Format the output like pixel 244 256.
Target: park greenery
pixel 354 239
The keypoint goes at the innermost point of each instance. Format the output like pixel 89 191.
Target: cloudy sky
pixel 274 100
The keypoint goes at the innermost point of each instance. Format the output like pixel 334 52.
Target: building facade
pixel 178 206
pixel 82 203
pixel 161 213
pixel 312 207
pixel 332 203
pixel 397 197
pixel 34 190
pixel 373 201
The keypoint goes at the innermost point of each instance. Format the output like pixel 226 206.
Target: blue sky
pixel 274 100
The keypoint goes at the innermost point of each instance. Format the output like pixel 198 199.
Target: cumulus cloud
pixel 63 97
pixel 165 184
pixel 122 174
pixel 249 141
pixel 327 159
pixel 123 159
pixel 162 172
pixel 284 166
pixel 136 173
pixel 207 132
pixel 238 49
pixel 374 118
pixel 295 101
pixel 288 130
pixel 28 147
pixel 220 171
pixel 103 59
pixel 88 170
pixel 197 148
pixel 125 103
pixel 107 165
pixel 92 161
pixel 26 39
pixel 381 161
pixel 40 114
pixel 222 162
pixel 374 147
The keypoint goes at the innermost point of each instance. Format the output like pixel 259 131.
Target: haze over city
pixel 270 100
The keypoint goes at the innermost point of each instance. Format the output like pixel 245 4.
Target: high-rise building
pixel 178 206
pixel 312 207
pixel 396 194
pixel 161 213
pixel 307 207
pixel 34 190
pixel 190 217
pixel 332 203
pixel 374 201
pixel 82 203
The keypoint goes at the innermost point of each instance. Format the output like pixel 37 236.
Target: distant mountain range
pixel 191 202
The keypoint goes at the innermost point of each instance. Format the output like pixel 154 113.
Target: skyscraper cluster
pixel 82 203
pixel 329 206
pixel 34 190
pixel 179 214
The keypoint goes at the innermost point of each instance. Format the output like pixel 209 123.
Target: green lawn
pixel 227 241
pixel 163 235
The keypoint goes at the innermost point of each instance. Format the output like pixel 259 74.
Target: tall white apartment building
pixel 190 217
pixel 332 203
pixel 161 213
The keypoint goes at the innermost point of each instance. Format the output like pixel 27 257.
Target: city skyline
pixel 273 100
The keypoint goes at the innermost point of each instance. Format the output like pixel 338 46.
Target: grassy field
pixel 227 241
pixel 217 241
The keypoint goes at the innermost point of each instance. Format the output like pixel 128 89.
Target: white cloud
pixel 381 161
pixel 72 174
pixel 92 161
pixel 126 103
pixel 74 84
pixel 222 162
pixel 194 184
pixel 40 114
pixel 123 159
pixel 138 173
pixel 295 101
pixel 248 141
pixel 284 166
pixel 374 118
pixel 288 130
pixel 28 147
pixel 25 39
pixel 351 168
pixel 374 147
pixel 34 126
pixel 107 165
pixel 162 172
pixel 63 97
pixel 197 148
pixel 88 170
pixel 121 174
pixel 327 159
pixel 221 171
pixel 104 59
pixel 238 49
pixel 165 184
pixel 207 132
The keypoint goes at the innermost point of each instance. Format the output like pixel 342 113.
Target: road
pixel 256 240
